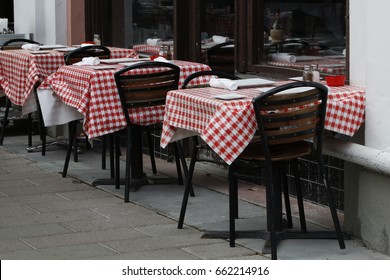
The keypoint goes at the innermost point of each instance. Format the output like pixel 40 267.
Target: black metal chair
pixel 221 58
pixel 78 54
pixel 144 90
pixel 17 43
pixel 291 125
pixel 14 44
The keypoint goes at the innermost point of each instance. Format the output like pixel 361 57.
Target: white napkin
pixel 223 83
pixel 31 47
pixel 88 61
pixel 283 57
pixel 220 39
pixel 154 42
pixel 162 59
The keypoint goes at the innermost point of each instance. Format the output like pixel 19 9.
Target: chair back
pixel 146 84
pixel 221 57
pixel 188 82
pixel 16 43
pixel 79 53
pixel 290 114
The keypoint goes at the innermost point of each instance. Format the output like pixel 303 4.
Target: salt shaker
pixel 307 75
pixel 315 73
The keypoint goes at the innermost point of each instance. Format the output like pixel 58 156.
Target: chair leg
pixel 151 151
pixel 187 189
pixel 104 139
pixel 72 133
pixel 178 166
pixel 332 204
pixel 112 157
pixel 233 199
pixel 271 213
pixel 184 165
pixel 128 166
pixel 117 161
pixel 286 194
pixel 5 120
pixel 29 129
pixel 298 188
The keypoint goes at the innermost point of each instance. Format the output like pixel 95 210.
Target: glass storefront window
pixel 152 19
pixel 217 18
pixel 305 32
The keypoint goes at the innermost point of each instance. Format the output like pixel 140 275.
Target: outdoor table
pixel 228 126
pixel 21 70
pixel 91 93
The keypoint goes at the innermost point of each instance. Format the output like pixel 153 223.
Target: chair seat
pixel 281 152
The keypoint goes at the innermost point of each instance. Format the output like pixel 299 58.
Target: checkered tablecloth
pixel 94 94
pixel 326 66
pixel 20 70
pixel 228 126
pixel 147 49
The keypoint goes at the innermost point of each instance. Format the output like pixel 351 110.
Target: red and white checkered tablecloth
pixel 20 70
pixel 326 65
pixel 147 49
pixel 94 94
pixel 228 126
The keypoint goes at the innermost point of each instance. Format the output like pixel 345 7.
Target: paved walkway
pixel 46 216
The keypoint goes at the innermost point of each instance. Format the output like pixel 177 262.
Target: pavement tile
pixel 218 251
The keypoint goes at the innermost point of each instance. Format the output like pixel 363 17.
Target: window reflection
pixel 305 32
pixel 152 19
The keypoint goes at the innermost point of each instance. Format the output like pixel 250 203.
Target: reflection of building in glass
pixel 152 19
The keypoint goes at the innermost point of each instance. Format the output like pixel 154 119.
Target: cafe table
pixel 90 93
pixel 228 126
pixel 21 70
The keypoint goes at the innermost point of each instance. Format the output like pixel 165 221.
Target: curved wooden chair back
pixel 77 55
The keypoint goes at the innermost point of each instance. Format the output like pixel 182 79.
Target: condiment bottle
pixel 315 73
pixel 96 39
pixel 307 75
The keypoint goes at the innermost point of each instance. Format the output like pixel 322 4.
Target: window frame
pixel 249 23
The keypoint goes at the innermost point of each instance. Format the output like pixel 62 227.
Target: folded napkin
pixel 154 42
pixel 31 47
pixel 162 59
pixel 223 83
pixel 88 61
pixel 220 39
pixel 283 57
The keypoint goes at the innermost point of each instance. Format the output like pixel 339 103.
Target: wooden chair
pixel 291 125
pixel 221 57
pixel 78 54
pixel 14 44
pixel 142 90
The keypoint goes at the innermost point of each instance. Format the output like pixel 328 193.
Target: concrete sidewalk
pixel 46 216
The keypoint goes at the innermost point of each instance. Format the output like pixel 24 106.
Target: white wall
pixel 45 19
pixel 367 193
pixel 370 65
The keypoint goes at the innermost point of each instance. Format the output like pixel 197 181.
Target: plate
pixel 68 49
pixel 39 52
pixel 131 63
pixel 101 67
pixel 122 60
pixel 253 82
pixel 50 47
pixel 229 96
